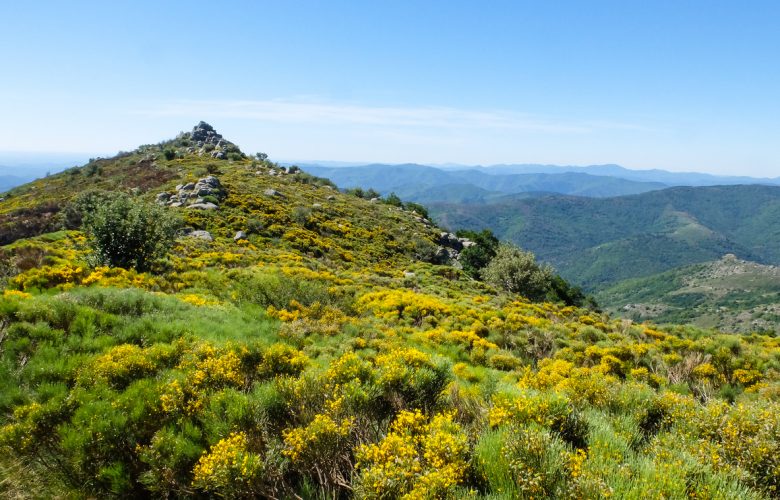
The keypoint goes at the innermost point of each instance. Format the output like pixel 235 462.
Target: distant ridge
pixel 424 184
pixel 596 242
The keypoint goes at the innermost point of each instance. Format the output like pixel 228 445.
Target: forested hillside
pixel 597 242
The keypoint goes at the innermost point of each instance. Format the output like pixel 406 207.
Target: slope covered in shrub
pixel 317 354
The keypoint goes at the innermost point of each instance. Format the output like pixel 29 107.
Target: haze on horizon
pixel 691 87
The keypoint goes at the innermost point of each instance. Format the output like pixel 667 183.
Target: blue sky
pixel 679 85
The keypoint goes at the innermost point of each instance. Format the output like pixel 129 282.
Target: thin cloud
pixel 291 111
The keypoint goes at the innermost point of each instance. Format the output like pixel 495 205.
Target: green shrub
pixel 516 271
pixel 128 233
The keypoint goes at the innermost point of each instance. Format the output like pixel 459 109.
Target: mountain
pixel 9 181
pixel 655 175
pixel 597 242
pixel 731 294
pixel 425 184
pixel 290 340
pixel 19 168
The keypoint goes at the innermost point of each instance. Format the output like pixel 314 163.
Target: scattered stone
pixel 240 235
pixel 317 205
pixel 188 187
pixel 409 274
pixel 331 198
pixel 175 204
pixel 162 198
pixel 201 235
pixel 202 206
pixel 273 192
pixel 374 200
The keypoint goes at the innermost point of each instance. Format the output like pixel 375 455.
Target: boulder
pixel 162 198
pixel 449 240
pixel 273 193
pixel 240 235
pixel 201 235
pixel 202 206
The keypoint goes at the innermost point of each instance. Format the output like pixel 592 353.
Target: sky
pixel 679 85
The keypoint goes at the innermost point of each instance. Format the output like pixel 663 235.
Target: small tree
pixel 129 233
pixel 516 271
pixel 476 257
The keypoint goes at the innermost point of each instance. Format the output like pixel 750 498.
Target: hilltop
pixel 299 341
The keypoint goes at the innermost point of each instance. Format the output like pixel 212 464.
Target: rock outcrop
pixel 205 194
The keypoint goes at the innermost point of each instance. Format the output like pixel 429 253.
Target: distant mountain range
pixel 598 242
pixel 425 184
pixel 9 181
pixel 19 168
pixel 461 184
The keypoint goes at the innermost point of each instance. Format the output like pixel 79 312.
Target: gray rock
pixel 175 204
pixel 202 206
pixel 162 198
pixel 201 235
pixel 316 205
pixel 449 240
pixel 188 187
pixel 409 274
pixel 241 235
pixel 374 200
pixel 179 186
pixel 468 243
pixel 273 192
pixel 331 198
pixel 218 155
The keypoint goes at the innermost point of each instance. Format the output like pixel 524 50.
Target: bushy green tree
pixel 125 232
pixel 516 271
pixel 476 257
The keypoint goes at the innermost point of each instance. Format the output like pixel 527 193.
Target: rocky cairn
pixel 204 140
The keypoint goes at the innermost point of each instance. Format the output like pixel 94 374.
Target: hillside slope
pixel 733 294
pixel 296 342
pixel 596 242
